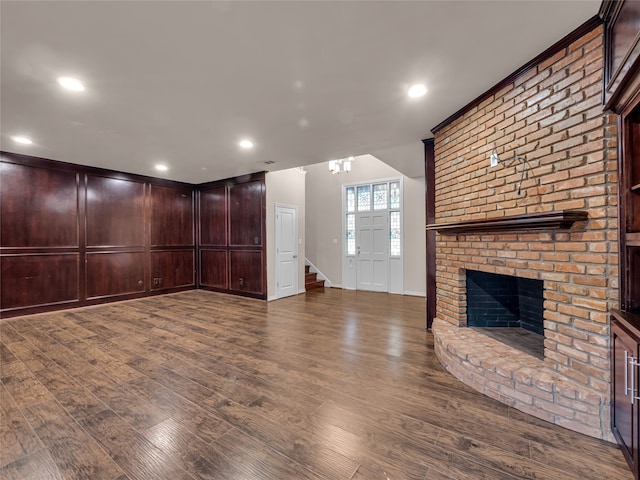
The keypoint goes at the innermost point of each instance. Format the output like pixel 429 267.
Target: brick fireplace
pixel 557 153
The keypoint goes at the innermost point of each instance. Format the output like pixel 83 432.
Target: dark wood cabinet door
pixel 172 218
pixel 115 212
pixel 38 207
pixel 245 214
pixel 115 273
pixel 213 217
pixel 171 269
pixel 213 269
pixel 41 279
pixel 246 271
pixel 624 421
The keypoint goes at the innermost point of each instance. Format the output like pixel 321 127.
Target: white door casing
pixel 286 250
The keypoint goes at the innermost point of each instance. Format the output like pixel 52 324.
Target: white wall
pixel 284 187
pixel 324 219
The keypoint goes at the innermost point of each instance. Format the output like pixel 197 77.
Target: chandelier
pixel 339 166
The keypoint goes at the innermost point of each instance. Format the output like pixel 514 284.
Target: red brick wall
pixel 552 115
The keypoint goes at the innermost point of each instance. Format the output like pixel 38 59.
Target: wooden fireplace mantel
pixel 562 219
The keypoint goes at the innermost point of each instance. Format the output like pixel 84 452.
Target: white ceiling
pixel 181 82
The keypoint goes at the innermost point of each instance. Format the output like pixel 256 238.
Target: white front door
pixel 286 251
pixel 372 251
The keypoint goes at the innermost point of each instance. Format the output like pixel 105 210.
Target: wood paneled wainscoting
pixel 73 235
pixel 232 236
pixel 334 385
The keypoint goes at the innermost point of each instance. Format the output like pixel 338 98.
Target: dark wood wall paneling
pixel 73 235
pixel 39 236
pixel 115 237
pixel 232 230
pixel 172 237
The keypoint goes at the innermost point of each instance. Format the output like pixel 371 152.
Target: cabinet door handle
pixel 633 362
pixel 633 381
pixel 626 372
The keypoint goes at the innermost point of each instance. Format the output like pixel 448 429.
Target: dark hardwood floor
pixel 328 385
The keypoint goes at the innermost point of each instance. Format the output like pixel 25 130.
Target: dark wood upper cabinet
pixel 172 220
pixel 213 216
pixel 622 51
pixel 245 214
pixel 39 207
pixel 115 212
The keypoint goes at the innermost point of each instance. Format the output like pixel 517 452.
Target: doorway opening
pixel 286 250
pixel 372 236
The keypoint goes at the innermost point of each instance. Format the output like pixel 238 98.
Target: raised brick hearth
pixel 552 116
pixel 517 379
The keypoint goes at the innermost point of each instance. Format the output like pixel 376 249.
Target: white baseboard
pixel 414 294
pixel 274 297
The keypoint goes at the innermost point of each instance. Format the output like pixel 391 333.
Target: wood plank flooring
pixel 198 385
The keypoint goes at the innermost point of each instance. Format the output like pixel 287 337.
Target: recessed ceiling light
pixel 417 90
pixel 71 83
pixel 23 140
pixel 246 144
pixel 161 167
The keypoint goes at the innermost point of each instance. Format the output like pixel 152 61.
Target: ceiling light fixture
pixel 340 166
pixel 161 168
pixel 417 90
pixel 71 83
pixel 246 144
pixel 23 140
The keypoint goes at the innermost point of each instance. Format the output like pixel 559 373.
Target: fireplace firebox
pixel 495 300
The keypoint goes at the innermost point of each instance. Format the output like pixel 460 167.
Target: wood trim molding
pixel 29 160
pixel 430 209
pixel 250 177
pixel 562 219
pixel 628 320
pixel 579 32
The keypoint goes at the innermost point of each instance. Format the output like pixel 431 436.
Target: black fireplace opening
pixel 495 300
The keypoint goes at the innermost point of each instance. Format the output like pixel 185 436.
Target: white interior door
pixel 286 251
pixel 372 251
